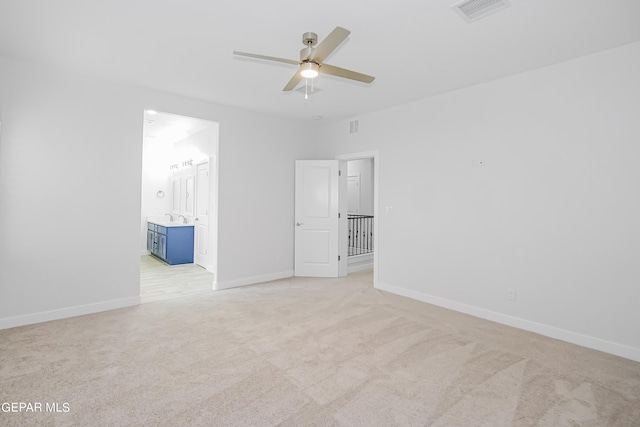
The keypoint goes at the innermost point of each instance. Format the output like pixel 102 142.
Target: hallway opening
pixel 362 207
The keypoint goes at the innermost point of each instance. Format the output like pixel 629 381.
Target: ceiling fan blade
pixel 297 77
pixel 268 58
pixel 347 74
pixel 329 44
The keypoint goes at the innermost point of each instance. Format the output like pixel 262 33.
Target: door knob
pixel 299 223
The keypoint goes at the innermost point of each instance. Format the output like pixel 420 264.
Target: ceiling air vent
pixel 471 10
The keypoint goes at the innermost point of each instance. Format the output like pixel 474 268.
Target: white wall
pixel 553 212
pixel 200 146
pixel 255 220
pixel 155 177
pixel 70 194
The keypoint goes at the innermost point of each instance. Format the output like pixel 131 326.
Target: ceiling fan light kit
pixel 312 57
pixel 309 70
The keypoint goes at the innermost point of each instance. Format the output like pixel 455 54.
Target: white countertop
pixel 166 223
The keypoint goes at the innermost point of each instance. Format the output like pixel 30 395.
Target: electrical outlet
pixel 511 294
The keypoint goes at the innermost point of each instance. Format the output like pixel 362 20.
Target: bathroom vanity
pixel 172 242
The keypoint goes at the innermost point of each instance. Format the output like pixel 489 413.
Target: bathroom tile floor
pixel 160 281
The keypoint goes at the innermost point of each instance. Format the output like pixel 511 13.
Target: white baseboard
pixel 245 281
pixel 359 267
pixel 144 252
pixel 617 349
pixel 63 313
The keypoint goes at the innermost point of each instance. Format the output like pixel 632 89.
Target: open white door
pixel 201 221
pixel 317 219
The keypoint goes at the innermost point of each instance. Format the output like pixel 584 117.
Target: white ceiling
pixel 414 48
pixel 166 128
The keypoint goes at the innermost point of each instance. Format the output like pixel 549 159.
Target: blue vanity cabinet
pixel 161 243
pixel 150 237
pixel 173 244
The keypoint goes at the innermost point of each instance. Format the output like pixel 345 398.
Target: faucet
pixel 170 217
pixel 184 219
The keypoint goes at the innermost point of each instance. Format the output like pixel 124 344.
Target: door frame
pixel 375 155
pixel 213 212
pixel 207 263
pixel 213 149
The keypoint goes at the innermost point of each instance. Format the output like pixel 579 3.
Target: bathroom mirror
pixel 175 206
pixel 189 195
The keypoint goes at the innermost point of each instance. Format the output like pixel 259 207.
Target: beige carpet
pixel 307 352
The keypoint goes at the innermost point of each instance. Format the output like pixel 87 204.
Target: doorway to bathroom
pixel 179 189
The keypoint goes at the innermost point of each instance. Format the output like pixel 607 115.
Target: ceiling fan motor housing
pixel 309 39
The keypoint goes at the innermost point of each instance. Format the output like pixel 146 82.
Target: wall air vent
pixel 471 10
pixel 353 126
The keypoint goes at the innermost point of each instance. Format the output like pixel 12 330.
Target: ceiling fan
pixel 312 58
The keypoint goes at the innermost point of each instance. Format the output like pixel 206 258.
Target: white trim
pixel 245 281
pixel 617 349
pixel 63 313
pixel 144 252
pixel 343 221
pixel 214 177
